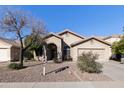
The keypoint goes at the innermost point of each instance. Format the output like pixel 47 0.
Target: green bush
pixel 15 66
pixel 87 63
pixel 118 47
pixel 117 50
pixel 28 55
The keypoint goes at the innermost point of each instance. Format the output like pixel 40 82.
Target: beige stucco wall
pixel 8 52
pixel 56 41
pixel 4 51
pixel 111 40
pixel 69 38
pixel 96 44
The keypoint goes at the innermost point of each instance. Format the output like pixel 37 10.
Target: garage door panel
pixel 99 51
pixel 4 55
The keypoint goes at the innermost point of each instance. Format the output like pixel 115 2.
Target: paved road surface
pixel 114 70
pixel 88 84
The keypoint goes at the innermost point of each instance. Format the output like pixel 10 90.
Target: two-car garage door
pixel 4 54
pixel 100 51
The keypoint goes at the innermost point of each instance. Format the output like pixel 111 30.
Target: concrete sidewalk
pixel 87 84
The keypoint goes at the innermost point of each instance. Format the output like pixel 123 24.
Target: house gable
pixel 70 37
pixel 52 39
pixel 52 35
pixel 56 40
pixel 70 32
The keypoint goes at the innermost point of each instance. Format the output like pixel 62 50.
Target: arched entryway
pixel 51 51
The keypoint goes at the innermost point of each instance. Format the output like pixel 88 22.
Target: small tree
pixel 36 46
pixel 118 47
pixel 21 26
pixel 115 48
pixel 121 46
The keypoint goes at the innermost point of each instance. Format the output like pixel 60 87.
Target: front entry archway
pixel 51 51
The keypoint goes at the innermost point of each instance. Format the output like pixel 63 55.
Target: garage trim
pixel 88 49
pixel 4 48
pixel 92 48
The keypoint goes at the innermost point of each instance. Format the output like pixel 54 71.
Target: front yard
pixel 33 73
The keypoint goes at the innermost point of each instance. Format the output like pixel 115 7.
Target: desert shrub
pixel 15 66
pixel 87 63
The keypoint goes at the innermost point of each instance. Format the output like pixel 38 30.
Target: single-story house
pixel 9 50
pixel 64 45
pixel 69 44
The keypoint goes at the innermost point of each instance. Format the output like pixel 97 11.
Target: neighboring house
pixel 9 50
pixel 112 38
pixel 69 44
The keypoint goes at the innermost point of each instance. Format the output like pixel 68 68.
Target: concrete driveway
pixel 114 70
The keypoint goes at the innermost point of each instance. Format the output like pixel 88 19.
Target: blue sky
pixel 84 20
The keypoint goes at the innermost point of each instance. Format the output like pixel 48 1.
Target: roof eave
pixel 67 30
pixel 52 35
pixel 90 39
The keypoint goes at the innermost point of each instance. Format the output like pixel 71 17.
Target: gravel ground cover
pixel 33 73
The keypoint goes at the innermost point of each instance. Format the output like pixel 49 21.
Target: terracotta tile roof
pixel 87 39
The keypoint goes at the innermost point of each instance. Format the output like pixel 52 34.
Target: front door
pixel 51 51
